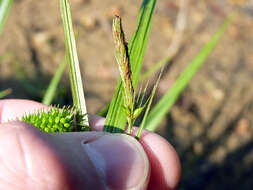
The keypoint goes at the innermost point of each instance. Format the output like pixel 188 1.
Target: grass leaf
pixel 116 118
pixel 5 6
pixel 167 101
pixel 51 90
pixel 72 58
pixel 5 93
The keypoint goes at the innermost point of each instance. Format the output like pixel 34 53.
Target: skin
pixel 31 159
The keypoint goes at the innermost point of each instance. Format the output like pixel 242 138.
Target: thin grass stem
pixel 72 57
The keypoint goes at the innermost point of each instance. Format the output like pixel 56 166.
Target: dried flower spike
pixel 56 120
pixel 121 55
pixel 123 61
pixel 132 109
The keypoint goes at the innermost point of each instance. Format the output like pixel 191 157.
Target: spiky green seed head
pixel 55 120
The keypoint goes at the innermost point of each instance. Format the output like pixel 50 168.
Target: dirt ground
pixel 211 124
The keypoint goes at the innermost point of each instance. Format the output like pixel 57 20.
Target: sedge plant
pixel 66 119
pixel 126 104
pixel 158 113
pixel 116 119
pixel 132 108
pixel 75 118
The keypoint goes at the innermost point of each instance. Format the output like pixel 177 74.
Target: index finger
pixel 10 109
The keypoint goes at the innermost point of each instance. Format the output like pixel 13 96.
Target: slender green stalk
pixel 75 74
pixel 167 101
pixel 51 90
pixel 5 6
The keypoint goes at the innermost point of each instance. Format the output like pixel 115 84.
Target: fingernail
pixel 120 161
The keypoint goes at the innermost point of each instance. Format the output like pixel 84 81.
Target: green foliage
pixel 51 90
pixel 168 100
pixel 5 6
pixel 74 69
pixel 131 107
pixel 56 120
pixel 123 107
pixel 4 93
pixel 116 119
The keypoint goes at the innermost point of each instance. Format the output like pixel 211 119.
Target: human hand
pixel 31 159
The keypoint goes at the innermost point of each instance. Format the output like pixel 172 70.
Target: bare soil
pixel 211 124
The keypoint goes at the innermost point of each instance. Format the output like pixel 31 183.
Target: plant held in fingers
pixel 55 120
pixel 126 105
pixel 66 119
pixel 131 108
pixel 121 55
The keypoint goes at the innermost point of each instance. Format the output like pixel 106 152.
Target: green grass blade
pixel 51 90
pixel 138 43
pixel 74 69
pixel 167 101
pixel 5 93
pixel 5 6
pixel 116 119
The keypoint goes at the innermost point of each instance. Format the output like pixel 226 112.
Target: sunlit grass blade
pixel 116 119
pixel 72 58
pixel 5 6
pixel 5 92
pixel 51 90
pixel 160 110
pixel 138 43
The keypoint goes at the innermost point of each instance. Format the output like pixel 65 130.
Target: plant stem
pixel 51 90
pixel 75 74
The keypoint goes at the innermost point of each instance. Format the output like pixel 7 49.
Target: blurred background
pixel 211 124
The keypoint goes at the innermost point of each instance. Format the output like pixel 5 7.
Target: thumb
pixel 117 161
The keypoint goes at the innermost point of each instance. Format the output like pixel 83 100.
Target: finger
pixel 166 176
pixel 74 160
pixel 164 161
pixel 124 166
pixel 10 109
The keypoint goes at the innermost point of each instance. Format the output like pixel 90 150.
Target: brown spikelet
pixel 121 55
